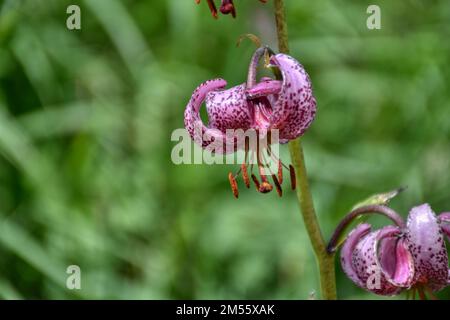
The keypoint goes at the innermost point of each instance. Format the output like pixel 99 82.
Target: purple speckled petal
pixel 426 243
pixel 347 252
pixel 368 265
pixel 394 258
pixel 445 223
pixel 295 108
pixel 192 121
pixel 228 109
pixel 264 88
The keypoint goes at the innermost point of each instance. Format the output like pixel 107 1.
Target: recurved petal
pixel 264 88
pixel 394 257
pixel 192 121
pixel 347 252
pixel 227 109
pixel 367 264
pixel 295 108
pixel 445 223
pixel 426 243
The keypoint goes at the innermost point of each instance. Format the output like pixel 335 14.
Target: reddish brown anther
pixel 265 187
pixel 245 175
pixel 256 182
pixel 212 7
pixel 280 172
pixel 277 185
pixel 233 185
pixel 293 177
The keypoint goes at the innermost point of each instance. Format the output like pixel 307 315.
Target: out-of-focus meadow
pixel 86 117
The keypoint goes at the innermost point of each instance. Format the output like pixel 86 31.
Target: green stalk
pixel 324 260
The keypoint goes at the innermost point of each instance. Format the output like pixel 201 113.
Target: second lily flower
pixel 406 256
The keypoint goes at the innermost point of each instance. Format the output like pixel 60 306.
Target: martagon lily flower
pixel 404 256
pixel 286 105
pixel 226 7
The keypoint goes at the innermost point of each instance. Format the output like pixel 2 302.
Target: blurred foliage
pixel 85 124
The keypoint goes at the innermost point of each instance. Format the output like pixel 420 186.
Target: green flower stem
pixel 324 260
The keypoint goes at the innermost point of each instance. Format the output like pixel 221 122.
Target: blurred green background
pixel 86 116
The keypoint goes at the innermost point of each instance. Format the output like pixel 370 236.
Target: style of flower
pixel 404 256
pixel 226 7
pixel 286 105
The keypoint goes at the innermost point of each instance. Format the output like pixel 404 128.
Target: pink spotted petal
pixel 295 108
pixel 228 109
pixel 192 121
pixel 368 266
pixel 347 252
pixel 264 88
pixel 445 223
pixel 426 243
pixel 394 258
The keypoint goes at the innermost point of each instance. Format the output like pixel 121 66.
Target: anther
pixel 277 185
pixel 233 185
pixel 269 143
pixel 245 175
pixel 293 178
pixel 256 182
pixel 265 187
pixel 280 172
pixel 212 7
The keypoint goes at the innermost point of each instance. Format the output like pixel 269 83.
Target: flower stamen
pixel 277 185
pixel 272 174
pixel 228 7
pixel 212 7
pixel 233 184
pixel 293 177
pixel 256 182
pixel 280 172
pixel 265 186
pixel 421 293
pixel 245 175
pixel 430 293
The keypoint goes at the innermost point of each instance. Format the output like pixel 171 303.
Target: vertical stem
pixel 324 260
pixel 280 20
